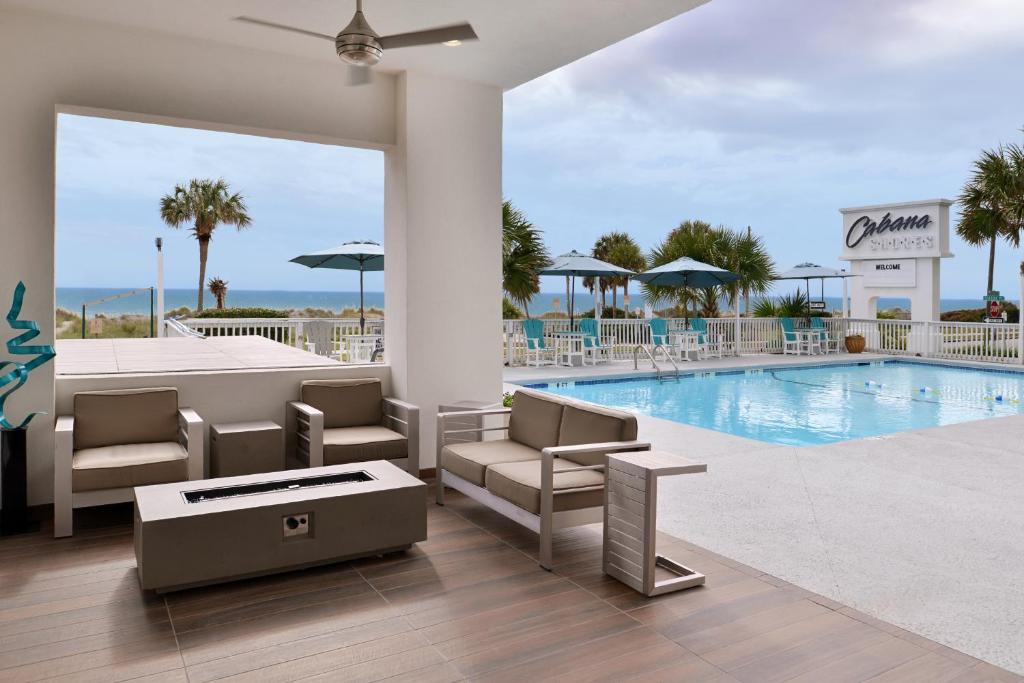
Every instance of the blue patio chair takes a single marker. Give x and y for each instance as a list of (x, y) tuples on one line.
[(592, 345), (790, 339), (707, 344), (828, 342), (659, 332), (535, 346)]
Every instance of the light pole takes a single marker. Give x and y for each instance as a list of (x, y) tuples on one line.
[(160, 286)]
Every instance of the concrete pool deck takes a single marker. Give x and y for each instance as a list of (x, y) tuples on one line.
[(920, 528)]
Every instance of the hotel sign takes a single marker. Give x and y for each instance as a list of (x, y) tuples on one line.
[(890, 273), (912, 230)]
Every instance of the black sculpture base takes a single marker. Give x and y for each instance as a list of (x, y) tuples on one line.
[(14, 517)]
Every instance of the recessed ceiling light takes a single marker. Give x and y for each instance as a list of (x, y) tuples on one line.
[(452, 43)]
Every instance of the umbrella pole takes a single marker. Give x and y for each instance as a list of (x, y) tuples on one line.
[(572, 297), (362, 317)]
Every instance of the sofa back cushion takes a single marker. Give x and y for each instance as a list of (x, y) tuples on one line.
[(594, 424), (345, 402), (125, 416), (535, 419)]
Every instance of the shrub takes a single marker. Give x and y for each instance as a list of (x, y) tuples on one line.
[(242, 313), (510, 311)]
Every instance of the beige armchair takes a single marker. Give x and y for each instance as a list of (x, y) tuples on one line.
[(349, 420), (117, 440)]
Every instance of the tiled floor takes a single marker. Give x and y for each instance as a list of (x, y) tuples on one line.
[(469, 603)]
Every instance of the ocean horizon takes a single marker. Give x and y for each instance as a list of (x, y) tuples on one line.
[(72, 298)]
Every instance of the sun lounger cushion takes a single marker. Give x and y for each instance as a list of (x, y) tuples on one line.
[(594, 424), (519, 483), (359, 444), (471, 460), (140, 464), (345, 402), (125, 416), (535, 419)]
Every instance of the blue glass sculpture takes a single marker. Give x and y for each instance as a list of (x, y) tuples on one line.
[(15, 377)]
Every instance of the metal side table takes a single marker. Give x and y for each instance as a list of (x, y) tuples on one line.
[(630, 522)]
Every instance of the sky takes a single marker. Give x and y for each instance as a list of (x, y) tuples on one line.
[(740, 112)]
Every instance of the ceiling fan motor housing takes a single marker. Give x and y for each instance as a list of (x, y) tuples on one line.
[(357, 43)]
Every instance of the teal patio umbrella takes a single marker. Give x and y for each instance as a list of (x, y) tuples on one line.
[(575, 264), (364, 256), (686, 272)]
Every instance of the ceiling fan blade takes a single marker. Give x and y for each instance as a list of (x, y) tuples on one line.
[(430, 36), (359, 75), (282, 27)]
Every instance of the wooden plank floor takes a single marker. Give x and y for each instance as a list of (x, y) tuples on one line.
[(468, 604)]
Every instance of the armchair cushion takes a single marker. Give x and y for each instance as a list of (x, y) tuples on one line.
[(359, 444), (594, 424), (471, 460), (345, 402), (139, 464), (535, 419), (125, 416), (519, 483)]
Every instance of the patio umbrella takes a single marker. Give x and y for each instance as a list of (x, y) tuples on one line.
[(686, 272), (812, 271), (575, 264), (362, 256)]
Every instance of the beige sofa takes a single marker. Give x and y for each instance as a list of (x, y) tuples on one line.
[(340, 421), (117, 440), (548, 470)]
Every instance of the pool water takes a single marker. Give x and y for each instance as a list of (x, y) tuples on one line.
[(818, 405)]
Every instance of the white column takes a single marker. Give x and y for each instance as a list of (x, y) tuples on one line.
[(1020, 320), (442, 236)]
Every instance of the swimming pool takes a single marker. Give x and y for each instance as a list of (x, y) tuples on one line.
[(813, 405)]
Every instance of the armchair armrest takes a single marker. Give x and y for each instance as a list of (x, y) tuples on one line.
[(306, 431), (191, 427), (404, 417), (63, 452)]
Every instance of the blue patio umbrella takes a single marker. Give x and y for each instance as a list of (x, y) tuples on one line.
[(575, 264), (363, 256), (687, 272), (812, 271)]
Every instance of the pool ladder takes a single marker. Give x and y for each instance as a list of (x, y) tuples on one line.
[(654, 363)]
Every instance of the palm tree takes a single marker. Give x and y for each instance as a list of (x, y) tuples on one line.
[(735, 251), (205, 204), (619, 249), (523, 255), (992, 202), (219, 289)]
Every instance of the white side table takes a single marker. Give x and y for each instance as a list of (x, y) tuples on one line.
[(630, 522)]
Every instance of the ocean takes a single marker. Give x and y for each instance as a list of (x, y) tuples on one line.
[(72, 298)]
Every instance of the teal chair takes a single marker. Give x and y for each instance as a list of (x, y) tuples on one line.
[(707, 345), (659, 332), (790, 339), (827, 342), (592, 345), (536, 349)]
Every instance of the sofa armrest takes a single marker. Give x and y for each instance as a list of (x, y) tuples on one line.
[(404, 418), (606, 447), (191, 428), (443, 431), (307, 424)]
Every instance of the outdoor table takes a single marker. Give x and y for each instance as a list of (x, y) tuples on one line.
[(629, 551), (569, 348), (685, 341), (806, 338)]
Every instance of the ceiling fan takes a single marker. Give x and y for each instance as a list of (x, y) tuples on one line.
[(361, 47)]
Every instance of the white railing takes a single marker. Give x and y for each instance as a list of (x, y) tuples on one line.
[(988, 342), (290, 331)]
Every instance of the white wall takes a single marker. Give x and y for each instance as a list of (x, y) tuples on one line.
[(443, 238)]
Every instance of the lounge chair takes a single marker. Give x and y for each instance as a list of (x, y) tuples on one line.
[(592, 344), (338, 421), (117, 440), (548, 471), (707, 344), (790, 339), (535, 346), (828, 343)]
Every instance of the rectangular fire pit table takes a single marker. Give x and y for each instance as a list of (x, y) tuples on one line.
[(193, 533), (630, 522)]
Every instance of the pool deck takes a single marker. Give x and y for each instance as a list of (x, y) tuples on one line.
[(919, 528)]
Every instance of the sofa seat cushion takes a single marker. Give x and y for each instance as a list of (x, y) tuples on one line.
[(519, 483), (582, 424), (359, 444), (139, 464), (471, 460), (535, 419), (345, 402)]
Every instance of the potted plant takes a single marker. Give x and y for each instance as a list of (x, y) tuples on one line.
[(855, 343)]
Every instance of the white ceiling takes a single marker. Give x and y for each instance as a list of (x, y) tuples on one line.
[(519, 39)]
